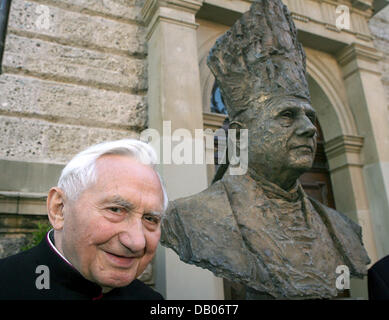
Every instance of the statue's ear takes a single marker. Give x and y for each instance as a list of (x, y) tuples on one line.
[(236, 125), (222, 168)]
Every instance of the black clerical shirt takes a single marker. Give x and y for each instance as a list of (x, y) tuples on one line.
[(19, 274)]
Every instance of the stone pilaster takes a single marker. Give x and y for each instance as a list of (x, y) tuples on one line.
[(366, 97), (174, 95), (346, 167)]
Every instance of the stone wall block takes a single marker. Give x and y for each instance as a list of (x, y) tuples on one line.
[(76, 28), (66, 63), (62, 142), (21, 138), (120, 9), (71, 103), (37, 140), (379, 28)]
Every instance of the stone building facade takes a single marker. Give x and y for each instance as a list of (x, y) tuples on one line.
[(77, 72), (379, 28), (74, 74)]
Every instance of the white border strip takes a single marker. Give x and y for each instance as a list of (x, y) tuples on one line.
[(55, 249)]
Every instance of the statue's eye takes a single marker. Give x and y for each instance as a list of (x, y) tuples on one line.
[(287, 114), (312, 117)]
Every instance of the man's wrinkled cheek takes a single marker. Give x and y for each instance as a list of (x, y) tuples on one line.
[(151, 248)]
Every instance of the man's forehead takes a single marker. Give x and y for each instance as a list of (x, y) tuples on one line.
[(117, 169), (117, 159), (119, 164)]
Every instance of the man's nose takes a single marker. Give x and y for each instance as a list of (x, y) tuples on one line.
[(132, 236), (306, 127)]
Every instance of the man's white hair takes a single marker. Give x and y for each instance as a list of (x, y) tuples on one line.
[(80, 172)]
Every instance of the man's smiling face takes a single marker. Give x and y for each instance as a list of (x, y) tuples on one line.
[(111, 232)]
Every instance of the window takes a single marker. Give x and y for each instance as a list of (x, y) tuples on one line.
[(217, 103)]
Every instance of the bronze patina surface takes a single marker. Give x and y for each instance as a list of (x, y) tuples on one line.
[(260, 229)]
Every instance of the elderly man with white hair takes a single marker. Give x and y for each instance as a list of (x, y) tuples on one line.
[(106, 214)]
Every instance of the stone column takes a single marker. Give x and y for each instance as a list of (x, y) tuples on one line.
[(344, 157), (366, 98), (174, 95)]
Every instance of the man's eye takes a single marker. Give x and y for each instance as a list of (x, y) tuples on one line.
[(151, 219), (115, 209)]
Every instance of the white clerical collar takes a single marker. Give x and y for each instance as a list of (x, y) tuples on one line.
[(54, 248)]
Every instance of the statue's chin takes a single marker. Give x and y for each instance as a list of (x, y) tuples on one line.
[(302, 166)]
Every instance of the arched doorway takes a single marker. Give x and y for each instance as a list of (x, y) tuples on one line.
[(317, 181)]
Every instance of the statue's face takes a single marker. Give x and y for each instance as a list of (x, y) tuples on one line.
[(282, 139)]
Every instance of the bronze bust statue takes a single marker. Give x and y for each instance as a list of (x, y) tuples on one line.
[(261, 229)]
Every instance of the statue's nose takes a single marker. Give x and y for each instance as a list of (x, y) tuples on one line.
[(306, 127)]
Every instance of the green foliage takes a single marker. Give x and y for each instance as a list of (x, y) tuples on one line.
[(37, 235)]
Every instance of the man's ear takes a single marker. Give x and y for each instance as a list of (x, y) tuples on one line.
[(55, 207)]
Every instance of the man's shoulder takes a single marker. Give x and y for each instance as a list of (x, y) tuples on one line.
[(378, 280), (382, 267), (136, 290), (17, 261), (17, 273)]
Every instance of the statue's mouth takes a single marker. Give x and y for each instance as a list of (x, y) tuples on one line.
[(303, 146)]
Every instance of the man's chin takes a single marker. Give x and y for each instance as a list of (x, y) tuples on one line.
[(116, 281)]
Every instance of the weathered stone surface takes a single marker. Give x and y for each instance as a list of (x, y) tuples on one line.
[(15, 231), (383, 15), (22, 138), (63, 142), (259, 228), (124, 9), (379, 28), (51, 60), (84, 79), (11, 246), (36, 140), (71, 103), (382, 45), (77, 28)]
